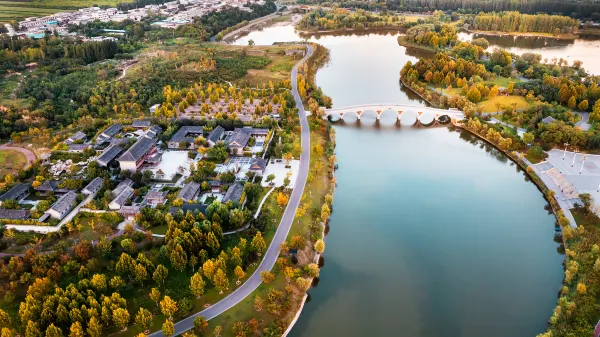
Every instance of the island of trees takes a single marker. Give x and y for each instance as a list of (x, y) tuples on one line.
[(510, 22)]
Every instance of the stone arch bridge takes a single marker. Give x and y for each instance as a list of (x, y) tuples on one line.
[(406, 114)]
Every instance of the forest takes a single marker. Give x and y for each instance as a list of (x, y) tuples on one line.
[(524, 23), (582, 10), (321, 19)]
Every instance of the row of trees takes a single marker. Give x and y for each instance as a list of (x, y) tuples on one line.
[(433, 35), (524, 23), (338, 18)]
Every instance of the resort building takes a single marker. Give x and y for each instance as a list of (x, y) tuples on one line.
[(93, 187), (14, 214), (108, 155), (185, 135), (234, 193), (189, 191), (17, 192), (215, 136), (63, 205), (134, 158)]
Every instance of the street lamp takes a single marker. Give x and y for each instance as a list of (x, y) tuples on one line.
[(565, 153), (582, 162), (574, 156)]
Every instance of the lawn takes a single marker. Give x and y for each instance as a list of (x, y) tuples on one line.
[(503, 82), (591, 219), (495, 104), (160, 230), (101, 227), (209, 200), (279, 69), (11, 161)]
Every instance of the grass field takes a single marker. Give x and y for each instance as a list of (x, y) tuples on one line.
[(584, 220), (11, 161), (490, 105), (503, 82)]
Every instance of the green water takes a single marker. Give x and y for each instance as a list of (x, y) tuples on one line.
[(433, 233)]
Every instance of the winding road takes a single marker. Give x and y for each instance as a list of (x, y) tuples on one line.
[(282, 230)]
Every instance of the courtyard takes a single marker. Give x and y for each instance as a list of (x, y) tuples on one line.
[(171, 163), (278, 168)]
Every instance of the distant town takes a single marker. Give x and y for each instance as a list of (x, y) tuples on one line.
[(177, 13)]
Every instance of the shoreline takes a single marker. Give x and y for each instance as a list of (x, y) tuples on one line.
[(517, 34), (404, 43), (349, 30)]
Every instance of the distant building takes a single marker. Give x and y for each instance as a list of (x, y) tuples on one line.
[(153, 131), (108, 155), (257, 166), (14, 214), (51, 187), (215, 135), (189, 191), (548, 120), (234, 193), (63, 205), (134, 158), (93, 187), (141, 123), (129, 211), (17, 192), (121, 198), (154, 108), (108, 133), (122, 186), (78, 148), (155, 198), (76, 137), (237, 141), (186, 134)]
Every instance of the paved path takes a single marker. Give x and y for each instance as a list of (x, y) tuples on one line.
[(584, 124), (30, 155), (520, 131), (282, 230)]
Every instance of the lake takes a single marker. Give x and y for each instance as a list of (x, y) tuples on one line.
[(433, 233)]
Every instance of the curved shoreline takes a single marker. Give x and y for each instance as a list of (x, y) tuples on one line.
[(517, 34), (349, 30)]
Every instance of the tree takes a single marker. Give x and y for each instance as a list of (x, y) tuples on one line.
[(288, 156), (220, 280), (5, 320), (239, 273), (572, 103), (473, 94), (178, 258), (258, 243), (581, 288), (510, 88), (143, 319), (583, 105), (493, 92), (155, 295), (528, 137), (270, 178), (282, 199), (76, 330), (160, 274), (121, 318), (94, 328), (168, 328), (117, 282), (32, 329), (320, 246), (197, 284), (168, 307), (140, 273), (200, 323), (99, 282), (258, 303), (218, 330), (267, 276), (52, 331)]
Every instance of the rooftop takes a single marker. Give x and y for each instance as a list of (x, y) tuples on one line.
[(15, 192), (124, 194), (14, 214), (216, 134), (109, 154), (182, 134), (189, 191), (113, 130), (138, 150), (122, 186), (65, 202), (237, 139), (141, 123), (234, 193), (94, 185)]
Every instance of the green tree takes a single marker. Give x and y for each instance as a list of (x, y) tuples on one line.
[(200, 323), (528, 137), (258, 243), (121, 318), (160, 274)]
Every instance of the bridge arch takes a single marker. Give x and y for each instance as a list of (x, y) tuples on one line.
[(369, 113), (388, 113), (427, 118), (408, 118)]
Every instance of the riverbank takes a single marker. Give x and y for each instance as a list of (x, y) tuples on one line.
[(403, 41), (349, 30), (518, 34)]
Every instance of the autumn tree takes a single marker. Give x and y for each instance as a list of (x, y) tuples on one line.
[(320, 246), (258, 243), (121, 318), (200, 323), (258, 303), (267, 276), (239, 273), (155, 295), (143, 319), (168, 307), (168, 328), (220, 280), (197, 284), (76, 330), (94, 328), (160, 274)]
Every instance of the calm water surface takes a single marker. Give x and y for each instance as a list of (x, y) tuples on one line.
[(433, 234)]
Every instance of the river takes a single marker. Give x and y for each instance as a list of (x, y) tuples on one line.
[(433, 233)]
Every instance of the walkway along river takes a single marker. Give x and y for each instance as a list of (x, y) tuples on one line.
[(272, 253), (433, 232)]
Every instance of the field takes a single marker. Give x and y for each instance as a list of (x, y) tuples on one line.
[(11, 161), (491, 105), (19, 10)]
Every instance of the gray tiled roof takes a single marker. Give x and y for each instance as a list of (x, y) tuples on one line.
[(237, 139), (153, 131), (122, 186), (189, 191), (109, 154), (252, 131), (216, 134), (78, 147), (120, 198), (14, 214), (137, 150), (65, 202), (548, 120), (141, 123), (234, 193), (94, 185), (182, 134), (15, 192), (75, 137), (258, 164), (113, 130), (51, 186), (155, 195)]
